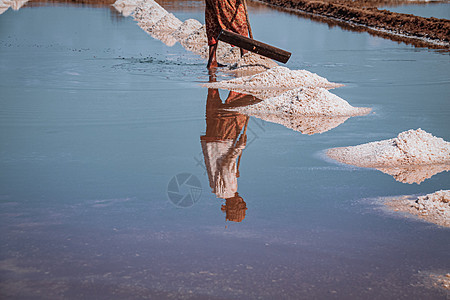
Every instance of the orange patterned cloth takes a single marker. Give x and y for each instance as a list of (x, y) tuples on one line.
[(224, 14)]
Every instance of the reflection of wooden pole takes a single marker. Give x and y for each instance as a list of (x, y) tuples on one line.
[(240, 155), (248, 21)]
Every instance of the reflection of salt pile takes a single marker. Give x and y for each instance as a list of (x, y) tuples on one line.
[(434, 207), (303, 124), (273, 80), (14, 4), (305, 102), (412, 147), (415, 174), (309, 109)]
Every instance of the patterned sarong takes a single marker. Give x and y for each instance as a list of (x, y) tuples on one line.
[(224, 14)]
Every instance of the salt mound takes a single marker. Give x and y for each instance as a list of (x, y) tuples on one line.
[(164, 37), (14, 4), (227, 54), (197, 42), (126, 7), (163, 29), (276, 78), (185, 29), (147, 16), (414, 174), (251, 63), (304, 124), (306, 102), (167, 24), (433, 208), (412, 147)]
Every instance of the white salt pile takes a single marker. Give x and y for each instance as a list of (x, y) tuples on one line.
[(276, 78), (187, 28), (228, 55), (163, 29), (14, 4), (305, 102), (3, 7), (149, 15), (412, 147), (197, 42), (167, 24), (126, 7), (251, 63), (433, 208)]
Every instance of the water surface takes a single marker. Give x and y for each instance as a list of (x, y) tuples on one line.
[(97, 118), (428, 10)]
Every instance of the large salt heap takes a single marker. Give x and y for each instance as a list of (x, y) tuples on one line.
[(186, 28), (433, 207), (273, 82), (251, 63), (411, 157), (306, 102), (14, 4), (126, 7), (412, 147)]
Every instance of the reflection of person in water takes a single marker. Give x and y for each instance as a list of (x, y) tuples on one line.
[(222, 147)]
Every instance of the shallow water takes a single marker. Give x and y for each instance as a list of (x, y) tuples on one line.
[(436, 10), (97, 118)]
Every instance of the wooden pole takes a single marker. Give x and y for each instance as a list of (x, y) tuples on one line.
[(254, 46)]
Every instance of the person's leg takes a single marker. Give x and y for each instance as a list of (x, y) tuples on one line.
[(212, 61)]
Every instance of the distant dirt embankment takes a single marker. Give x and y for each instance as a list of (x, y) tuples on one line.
[(431, 32)]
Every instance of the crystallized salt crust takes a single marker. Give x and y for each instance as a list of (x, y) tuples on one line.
[(251, 63), (276, 78), (186, 28), (433, 207), (412, 147), (306, 102), (14, 4)]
